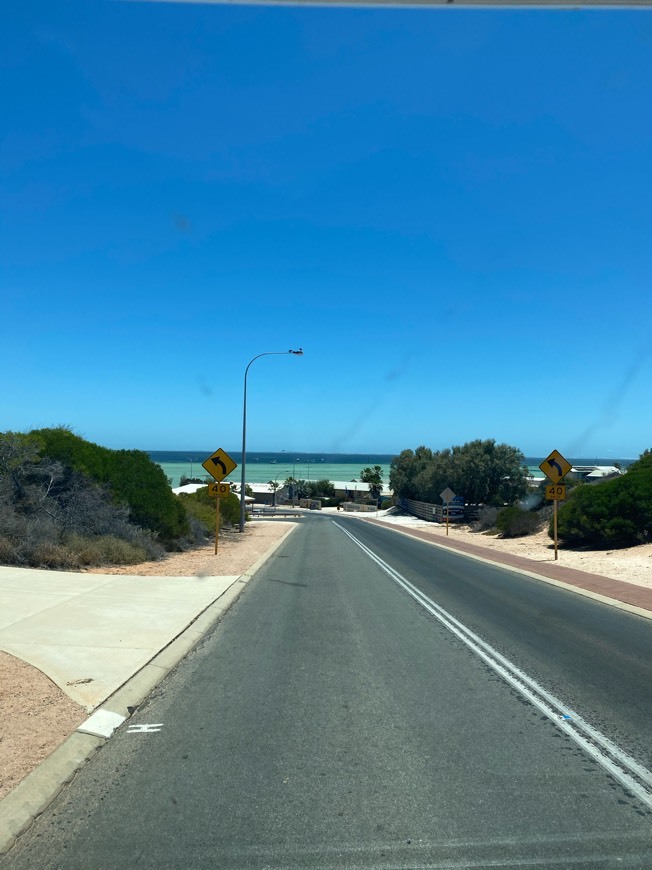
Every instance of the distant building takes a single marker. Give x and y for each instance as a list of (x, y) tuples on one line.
[(594, 473)]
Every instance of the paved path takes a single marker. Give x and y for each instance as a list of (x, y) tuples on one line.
[(91, 632)]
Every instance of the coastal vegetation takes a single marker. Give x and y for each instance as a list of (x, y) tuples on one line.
[(201, 506), (483, 472), (374, 477), (616, 513), (68, 503)]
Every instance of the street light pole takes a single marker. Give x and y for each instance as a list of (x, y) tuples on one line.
[(244, 427)]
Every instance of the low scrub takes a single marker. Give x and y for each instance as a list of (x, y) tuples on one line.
[(201, 507), (514, 522), (78, 552), (486, 519)]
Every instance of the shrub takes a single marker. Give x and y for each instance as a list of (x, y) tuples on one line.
[(53, 556), (617, 513), (7, 553), (106, 550), (201, 506), (54, 516), (130, 475), (514, 522), (486, 519)]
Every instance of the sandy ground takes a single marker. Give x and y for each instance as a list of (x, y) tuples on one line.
[(36, 716)]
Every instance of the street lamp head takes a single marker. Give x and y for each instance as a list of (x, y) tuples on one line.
[(297, 352)]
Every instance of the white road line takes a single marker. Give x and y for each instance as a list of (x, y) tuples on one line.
[(604, 751), (145, 729)]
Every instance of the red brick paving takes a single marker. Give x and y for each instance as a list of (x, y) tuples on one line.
[(628, 593)]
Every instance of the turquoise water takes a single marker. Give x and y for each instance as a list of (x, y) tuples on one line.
[(263, 467)]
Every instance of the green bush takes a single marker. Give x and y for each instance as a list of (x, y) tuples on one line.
[(617, 513), (201, 506), (514, 522), (131, 476)]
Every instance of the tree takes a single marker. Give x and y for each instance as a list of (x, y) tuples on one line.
[(320, 489), (482, 471), (374, 477), (274, 485), (405, 468)]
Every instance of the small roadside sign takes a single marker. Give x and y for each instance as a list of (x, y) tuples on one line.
[(447, 495), (555, 492), (219, 490), (555, 467), (219, 465)]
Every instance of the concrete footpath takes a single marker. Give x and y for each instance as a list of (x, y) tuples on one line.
[(91, 632)]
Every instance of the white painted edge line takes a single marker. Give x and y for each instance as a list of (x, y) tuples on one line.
[(496, 563), (592, 741), (102, 723)]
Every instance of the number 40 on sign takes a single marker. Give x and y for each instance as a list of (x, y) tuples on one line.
[(555, 492)]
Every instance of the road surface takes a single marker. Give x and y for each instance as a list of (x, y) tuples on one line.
[(372, 701)]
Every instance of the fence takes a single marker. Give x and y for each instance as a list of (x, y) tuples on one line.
[(436, 513)]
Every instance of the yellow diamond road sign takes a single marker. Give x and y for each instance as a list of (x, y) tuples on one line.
[(555, 467), (219, 465)]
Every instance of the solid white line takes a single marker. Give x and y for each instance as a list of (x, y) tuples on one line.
[(566, 719)]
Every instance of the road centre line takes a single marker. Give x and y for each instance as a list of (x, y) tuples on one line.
[(611, 757)]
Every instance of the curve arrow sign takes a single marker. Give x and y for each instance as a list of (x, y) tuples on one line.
[(219, 465), (218, 461), (554, 464)]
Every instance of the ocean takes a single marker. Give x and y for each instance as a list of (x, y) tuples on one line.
[(265, 466)]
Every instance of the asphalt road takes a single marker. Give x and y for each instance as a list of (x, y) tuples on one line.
[(331, 721)]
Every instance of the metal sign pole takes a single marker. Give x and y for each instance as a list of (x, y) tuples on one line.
[(555, 527), (447, 513), (217, 521)]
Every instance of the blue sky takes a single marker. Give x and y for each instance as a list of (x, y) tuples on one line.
[(448, 209)]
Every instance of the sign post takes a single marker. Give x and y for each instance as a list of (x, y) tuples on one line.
[(218, 490), (219, 465), (555, 467), (447, 497)]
